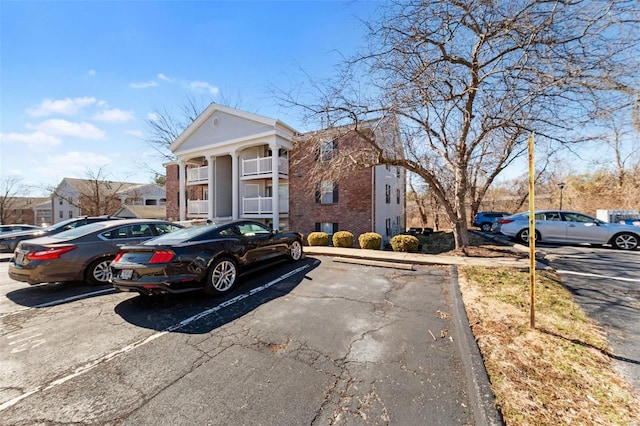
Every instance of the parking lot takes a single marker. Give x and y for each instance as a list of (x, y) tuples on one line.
[(310, 342)]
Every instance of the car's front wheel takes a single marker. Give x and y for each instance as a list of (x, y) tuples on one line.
[(486, 227), (295, 251), (523, 236), (99, 272), (625, 241), (222, 276)]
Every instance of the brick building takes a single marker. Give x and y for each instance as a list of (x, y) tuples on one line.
[(233, 164), (368, 199), (28, 210)]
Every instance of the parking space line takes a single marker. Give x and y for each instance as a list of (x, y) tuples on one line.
[(60, 301), (586, 274), (93, 364)]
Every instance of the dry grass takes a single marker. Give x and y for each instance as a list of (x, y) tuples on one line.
[(559, 373)]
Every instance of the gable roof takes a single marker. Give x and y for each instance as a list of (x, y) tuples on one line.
[(213, 108), (105, 186), (142, 212)]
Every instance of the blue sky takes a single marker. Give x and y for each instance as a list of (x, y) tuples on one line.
[(78, 79)]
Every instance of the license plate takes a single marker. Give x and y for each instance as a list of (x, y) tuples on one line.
[(126, 274), (19, 258)]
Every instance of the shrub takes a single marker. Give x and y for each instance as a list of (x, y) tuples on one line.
[(318, 239), (370, 240), (343, 239), (405, 243)]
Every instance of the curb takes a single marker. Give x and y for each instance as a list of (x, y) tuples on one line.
[(481, 397)]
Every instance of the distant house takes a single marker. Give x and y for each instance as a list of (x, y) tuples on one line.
[(232, 164), (29, 210), (75, 197)]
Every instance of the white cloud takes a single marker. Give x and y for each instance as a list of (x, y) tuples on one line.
[(163, 77), (152, 116), (137, 133), (61, 127), (114, 115), (74, 163), (35, 141), (143, 85), (92, 73), (66, 106), (203, 86)]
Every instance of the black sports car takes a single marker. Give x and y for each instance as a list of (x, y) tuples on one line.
[(209, 258)]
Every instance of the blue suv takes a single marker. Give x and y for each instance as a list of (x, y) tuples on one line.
[(484, 220)]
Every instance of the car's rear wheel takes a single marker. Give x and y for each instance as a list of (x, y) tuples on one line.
[(486, 227), (625, 241), (222, 276), (295, 251), (99, 272), (523, 236)]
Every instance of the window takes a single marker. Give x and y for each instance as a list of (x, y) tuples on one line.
[(327, 150), (387, 194), (252, 229), (70, 214), (388, 227), (327, 193), (60, 201), (164, 228), (61, 214), (328, 227), (398, 196)]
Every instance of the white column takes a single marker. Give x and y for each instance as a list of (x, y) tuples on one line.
[(275, 192), (235, 186), (211, 187), (182, 178)]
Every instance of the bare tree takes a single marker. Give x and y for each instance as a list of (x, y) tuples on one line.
[(466, 82), (10, 186), (96, 195)]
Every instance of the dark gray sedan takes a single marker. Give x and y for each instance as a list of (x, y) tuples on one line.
[(83, 253)]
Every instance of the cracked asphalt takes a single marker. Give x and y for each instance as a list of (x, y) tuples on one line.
[(314, 342)]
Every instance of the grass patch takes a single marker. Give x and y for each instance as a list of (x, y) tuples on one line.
[(559, 373)]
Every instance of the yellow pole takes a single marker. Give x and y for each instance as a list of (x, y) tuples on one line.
[(532, 234)]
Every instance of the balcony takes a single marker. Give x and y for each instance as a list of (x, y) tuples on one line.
[(256, 205), (249, 168), (263, 205), (262, 166), (197, 175), (197, 207)]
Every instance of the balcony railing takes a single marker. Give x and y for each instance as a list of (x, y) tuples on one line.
[(261, 166), (255, 205), (198, 207), (251, 167), (197, 174)]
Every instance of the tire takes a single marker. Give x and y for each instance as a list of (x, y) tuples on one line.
[(523, 236), (99, 272), (222, 276), (625, 241), (486, 227), (295, 251)]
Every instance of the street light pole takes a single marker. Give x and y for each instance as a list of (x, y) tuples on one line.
[(561, 186)]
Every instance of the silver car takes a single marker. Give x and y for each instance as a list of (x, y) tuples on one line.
[(560, 226)]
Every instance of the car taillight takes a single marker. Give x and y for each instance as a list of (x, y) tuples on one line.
[(118, 257), (52, 253), (161, 256), (503, 221)]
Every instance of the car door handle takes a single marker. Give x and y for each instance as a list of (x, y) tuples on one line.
[(572, 226)]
